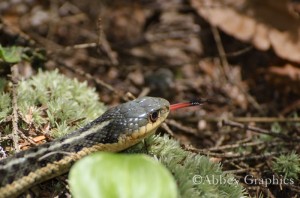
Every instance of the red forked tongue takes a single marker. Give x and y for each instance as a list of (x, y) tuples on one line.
[(187, 104)]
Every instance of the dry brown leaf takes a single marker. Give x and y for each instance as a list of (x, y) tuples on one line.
[(286, 77), (39, 138), (28, 118), (266, 24)]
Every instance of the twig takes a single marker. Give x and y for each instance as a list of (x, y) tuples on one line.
[(100, 31), (241, 166), (104, 44), (219, 155), (14, 80), (167, 128), (239, 52), (226, 69), (181, 127), (239, 119), (26, 138), (145, 91), (231, 146), (258, 130), (80, 46), (129, 96), (7, 137), (254, 157), (222, 54), (220, 140), (264, 119), (60, 49)]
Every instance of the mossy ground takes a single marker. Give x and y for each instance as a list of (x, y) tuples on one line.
[(51, 99)]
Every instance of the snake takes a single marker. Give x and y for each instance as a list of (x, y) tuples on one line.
[(115, 130)]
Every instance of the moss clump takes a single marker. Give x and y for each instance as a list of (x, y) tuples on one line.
[(50, 97), (5, 106), (196, 176), (288, 165)]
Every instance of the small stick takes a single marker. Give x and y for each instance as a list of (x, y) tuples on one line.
[(14, 80), (232, 146), (219, 155), (182, 127), (239, 52), (103, 44), (258, 130), (221, 51), (100, 31), (226, 67), (26, 138), (7, 137), (265, 119), (254, 157), (167, 128)]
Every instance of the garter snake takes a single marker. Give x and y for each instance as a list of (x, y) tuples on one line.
[(117, 129)]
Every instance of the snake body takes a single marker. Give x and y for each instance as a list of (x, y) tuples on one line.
[(117, 129)]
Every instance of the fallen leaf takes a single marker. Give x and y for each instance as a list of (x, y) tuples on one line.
[(38, 138), (266, 24), (286, 78)]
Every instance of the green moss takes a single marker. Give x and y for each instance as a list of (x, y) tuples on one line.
[(196, 176), (288, 165), (50, 97), (5, 106), (3, 84)]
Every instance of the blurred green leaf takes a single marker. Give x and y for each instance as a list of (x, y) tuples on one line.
[(276, 127), (11, 54), (119, 175)]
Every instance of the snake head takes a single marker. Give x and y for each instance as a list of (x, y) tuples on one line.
[(138, 118)]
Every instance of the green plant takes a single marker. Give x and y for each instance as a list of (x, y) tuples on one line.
[(195, 174), (288, 165), (14, 54), (11, 54), (50, 97), (5, 106)]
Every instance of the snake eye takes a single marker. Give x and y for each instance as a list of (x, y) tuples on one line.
[(154, 116)]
